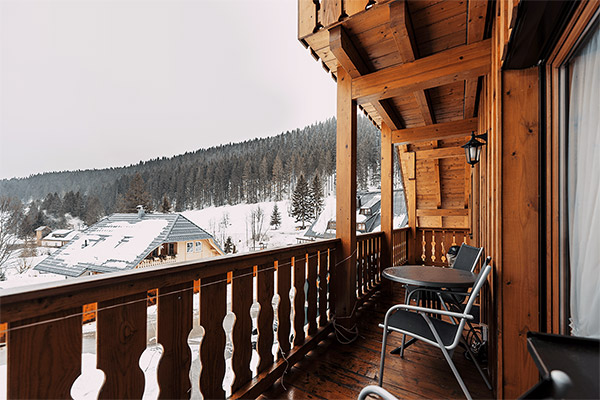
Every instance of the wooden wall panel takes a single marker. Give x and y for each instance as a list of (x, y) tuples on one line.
[(520, 238)]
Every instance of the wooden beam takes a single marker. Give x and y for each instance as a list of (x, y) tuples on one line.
[(445, 130), (442, 212), (346, 144), (402, 30), (346, 53), (477, 11), (445, 152), (388, 114), (387, 194), (424, 102), (456, 64)]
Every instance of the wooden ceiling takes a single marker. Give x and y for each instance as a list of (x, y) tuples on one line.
[(415, 65)]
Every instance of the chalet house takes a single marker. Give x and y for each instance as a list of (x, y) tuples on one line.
[(58, 237), (127, 241), (40, 233), (519, 77), (368, 216)]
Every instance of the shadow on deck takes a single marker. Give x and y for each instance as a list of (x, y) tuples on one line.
[(336, 371)]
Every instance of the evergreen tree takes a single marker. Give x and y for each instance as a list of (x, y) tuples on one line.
[(229, 246), (275, 217), (93, 211), (278, 178), (301, 204), (136, 195), (165, 206), (316, 195)]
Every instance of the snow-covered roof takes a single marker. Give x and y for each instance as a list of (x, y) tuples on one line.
[(61, 235), (41, 228), (119, 242)]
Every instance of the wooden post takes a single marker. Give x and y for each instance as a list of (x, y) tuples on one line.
[(345, 272), (520, 223), (387, 194)]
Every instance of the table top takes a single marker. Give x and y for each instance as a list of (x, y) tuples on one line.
[(438, 277)]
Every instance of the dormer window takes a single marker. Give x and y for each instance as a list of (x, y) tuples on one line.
[(361, 227), (365, 211)]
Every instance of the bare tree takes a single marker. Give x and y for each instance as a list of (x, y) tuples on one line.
[(257, 219), (9, 214), (29, 251)]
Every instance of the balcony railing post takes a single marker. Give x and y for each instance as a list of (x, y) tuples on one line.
[(387, 194), (346, 143)]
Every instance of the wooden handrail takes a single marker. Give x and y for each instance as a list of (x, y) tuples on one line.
[(31, 301)]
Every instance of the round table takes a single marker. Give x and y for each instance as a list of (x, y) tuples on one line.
[(432, 277)]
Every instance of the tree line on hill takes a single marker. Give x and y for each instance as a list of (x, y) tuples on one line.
[(257, 170)]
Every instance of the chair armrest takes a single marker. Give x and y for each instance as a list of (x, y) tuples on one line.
[(434, 311)]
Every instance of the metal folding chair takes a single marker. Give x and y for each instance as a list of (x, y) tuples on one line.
[(417, 322)]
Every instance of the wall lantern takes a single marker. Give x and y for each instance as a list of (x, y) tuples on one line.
[(473, 148)]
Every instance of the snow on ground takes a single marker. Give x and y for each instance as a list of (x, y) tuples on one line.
[(235, 221), (15, 278)]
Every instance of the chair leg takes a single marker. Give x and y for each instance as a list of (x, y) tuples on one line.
[(448, 358), (402, 346), (483, 375), (382, 362), (455, 372)]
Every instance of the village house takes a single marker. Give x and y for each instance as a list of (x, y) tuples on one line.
[(58, 237), (127, 241), (40, 232)]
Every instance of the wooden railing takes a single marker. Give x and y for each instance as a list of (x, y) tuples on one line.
[(44, 335), (400, 246), (45, 323), (368, 263), (431, 244)]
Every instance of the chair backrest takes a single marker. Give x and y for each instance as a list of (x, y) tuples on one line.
[(467, 257), (479, 282)]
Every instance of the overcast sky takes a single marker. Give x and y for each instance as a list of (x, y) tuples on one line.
[(94, 84)]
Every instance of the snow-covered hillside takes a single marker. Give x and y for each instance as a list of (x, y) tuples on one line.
[(236, 222)]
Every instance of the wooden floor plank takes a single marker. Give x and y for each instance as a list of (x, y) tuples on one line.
[(335, 371)]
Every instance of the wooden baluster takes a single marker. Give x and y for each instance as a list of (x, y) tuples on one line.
[(433, 257), (121, 341), (378, 258), (242, 330), (443, 247), (453, 238), (44, 359), (284, 277), (423, 256), (265, 291), (213, 307), (465, 238), (332, 278), (299, 299), (175, 313), (369, 252), (359, 275), (313, 261), (323, 270)]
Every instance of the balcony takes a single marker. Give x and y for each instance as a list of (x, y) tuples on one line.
[(44, 337)]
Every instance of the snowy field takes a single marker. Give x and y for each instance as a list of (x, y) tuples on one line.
[(236, 221)]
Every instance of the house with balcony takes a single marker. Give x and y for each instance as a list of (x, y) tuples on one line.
[(518, 77), (124, 241)]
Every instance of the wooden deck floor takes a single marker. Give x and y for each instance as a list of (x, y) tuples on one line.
[(336, 371)]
